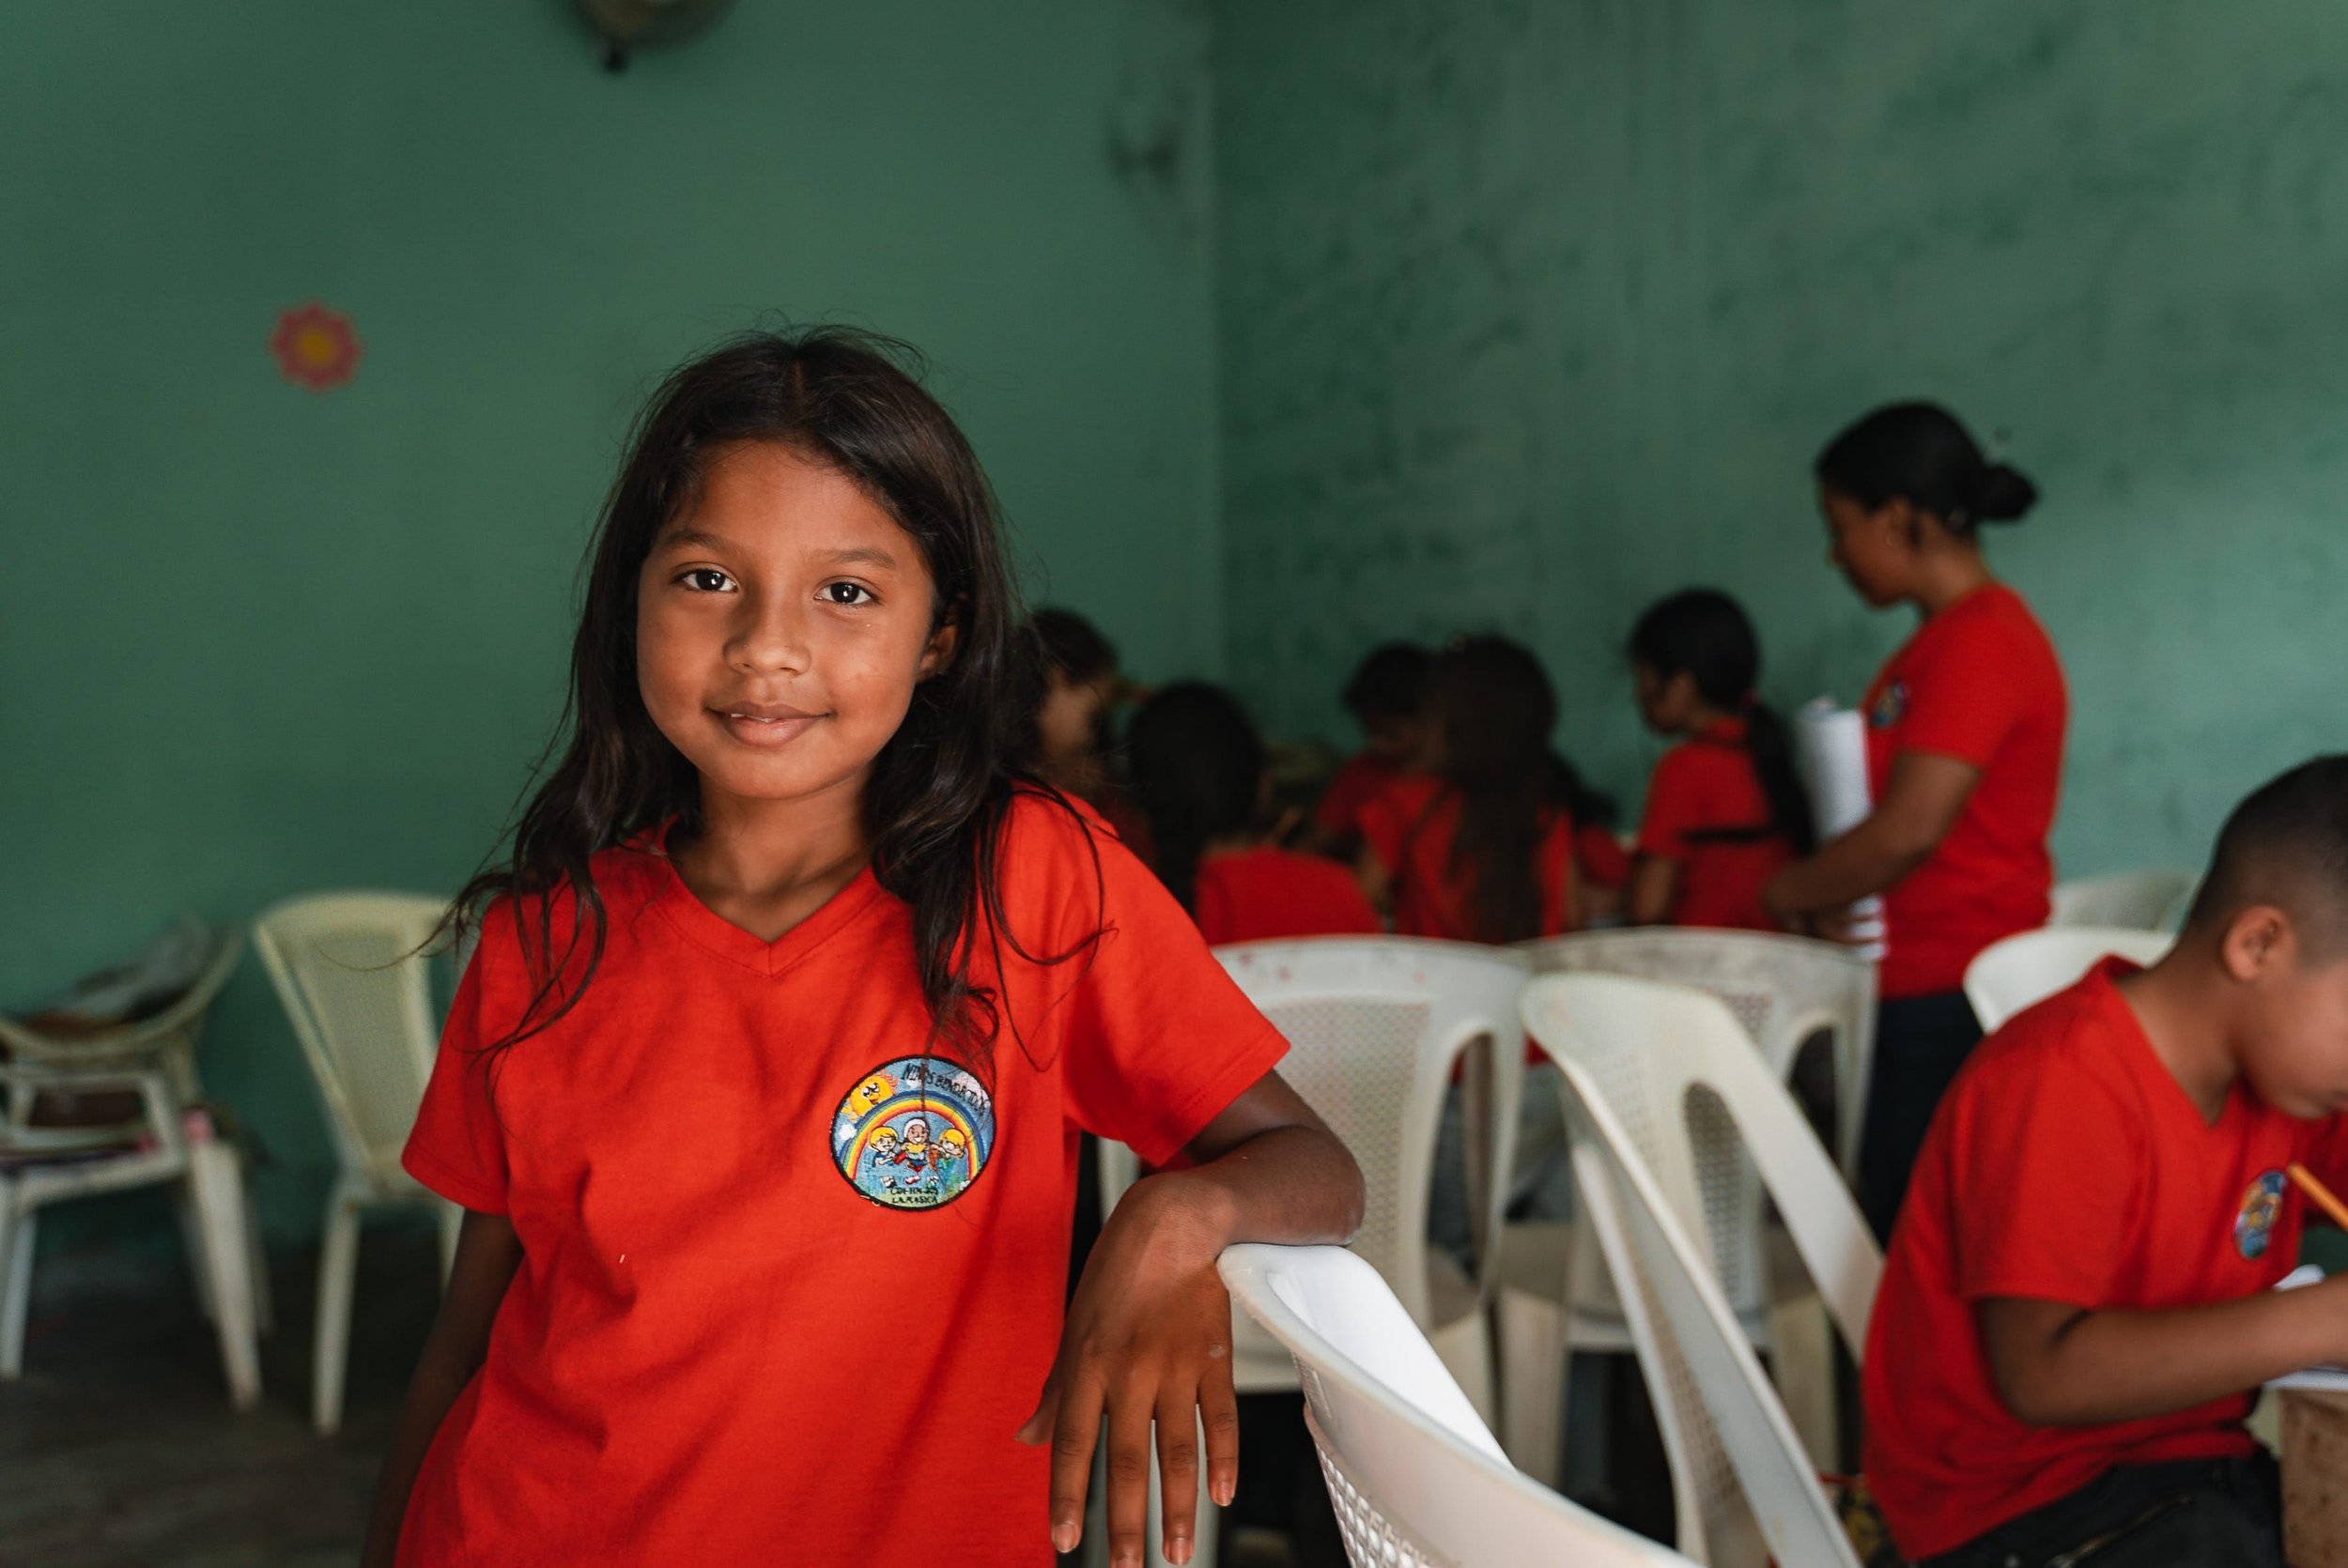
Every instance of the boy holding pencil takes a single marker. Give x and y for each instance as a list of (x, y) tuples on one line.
[(2077, 1309)]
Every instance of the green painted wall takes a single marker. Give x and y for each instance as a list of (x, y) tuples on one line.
[(256, 640), (1531, 313)]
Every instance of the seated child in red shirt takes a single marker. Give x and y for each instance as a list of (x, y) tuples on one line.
[(2078, 1309), (1481, 848), (1387, 697), (1196, 770), (1725, 810)]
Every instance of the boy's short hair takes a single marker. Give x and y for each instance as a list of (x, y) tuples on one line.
[(1390, 684), (2286, 845)]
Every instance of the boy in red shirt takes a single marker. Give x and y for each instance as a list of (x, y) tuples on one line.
[(2078, 1308)]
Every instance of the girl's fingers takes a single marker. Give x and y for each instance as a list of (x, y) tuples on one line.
[(1037, 1428), (1130, 1410), (1178, 1470), (1218, 1412), (1077, 1426)]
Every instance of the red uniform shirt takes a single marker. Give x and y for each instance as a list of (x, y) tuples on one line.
[(1703, 784), (1600, 858), (1979, 682), (2066, 1165), (1340, 809), (1265, 894), (788, 1285), (1409, 827)]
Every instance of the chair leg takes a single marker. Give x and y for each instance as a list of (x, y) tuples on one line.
[(16, 1227), (1802, 1352), (338, 1266), (192, 1248), (264, 1302), (216, 1178)]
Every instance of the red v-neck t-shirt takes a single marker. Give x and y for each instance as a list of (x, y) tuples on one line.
[(2065, 1164), (762, 1314)]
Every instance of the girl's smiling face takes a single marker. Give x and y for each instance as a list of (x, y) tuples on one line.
[(783, 621)]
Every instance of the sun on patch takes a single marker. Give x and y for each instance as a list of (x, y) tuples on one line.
[(914, 1134)]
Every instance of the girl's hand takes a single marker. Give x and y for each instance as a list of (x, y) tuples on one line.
[(1148, 1340)]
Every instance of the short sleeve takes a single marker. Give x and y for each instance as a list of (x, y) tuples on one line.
[(1966, 697), (1160, 1040), (1673, 805), (2047, 1179), (457, 1146)]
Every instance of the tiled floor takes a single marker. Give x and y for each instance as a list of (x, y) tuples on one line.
[(118, 1450)]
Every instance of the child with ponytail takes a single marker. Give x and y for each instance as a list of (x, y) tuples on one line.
[(1725, 810)]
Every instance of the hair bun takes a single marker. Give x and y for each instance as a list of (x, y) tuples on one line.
[(2002, 495)]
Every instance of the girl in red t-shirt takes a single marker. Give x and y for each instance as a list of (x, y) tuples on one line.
[(1387, 697), (1197, 771), (1965, 727), (1725, 809), (1481, 847), (793, 984)]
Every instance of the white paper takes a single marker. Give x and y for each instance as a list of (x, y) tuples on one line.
[(1831, 748)]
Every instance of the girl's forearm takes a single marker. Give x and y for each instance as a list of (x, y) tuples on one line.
[(1295, 1186)]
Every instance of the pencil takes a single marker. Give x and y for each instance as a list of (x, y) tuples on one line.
[(2320, 1194)]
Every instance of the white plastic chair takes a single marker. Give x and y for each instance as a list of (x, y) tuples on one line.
[(1374, 1026), (1414, 1473), (349, 970), (2025, 969), (171, 1139), (2153, 899), (1782, 991), (1639, 1060)]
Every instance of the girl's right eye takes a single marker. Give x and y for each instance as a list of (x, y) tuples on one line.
[(706, 579)]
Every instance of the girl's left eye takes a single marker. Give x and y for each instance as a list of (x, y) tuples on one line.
[(845, 593)]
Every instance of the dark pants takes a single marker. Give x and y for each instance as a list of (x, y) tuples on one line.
[(2193, 1514), (1920, 1043)]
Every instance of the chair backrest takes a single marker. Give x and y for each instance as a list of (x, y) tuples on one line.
[(1782, 989), (170, 1037), (1633, 1055), (358, 989), (1374, 1026), (1417, 1479), (2024, 969), (2152, 900)]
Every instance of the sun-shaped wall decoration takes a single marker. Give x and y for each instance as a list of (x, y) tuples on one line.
[(315, 346)]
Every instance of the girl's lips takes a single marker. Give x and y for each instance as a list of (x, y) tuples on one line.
[(752, 726)]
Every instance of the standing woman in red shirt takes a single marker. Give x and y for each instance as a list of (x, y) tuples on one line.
[(1965, 727), (1725, 809), (1196, 770), (796, 987)]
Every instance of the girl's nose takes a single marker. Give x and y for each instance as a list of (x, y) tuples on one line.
[(771, 640)]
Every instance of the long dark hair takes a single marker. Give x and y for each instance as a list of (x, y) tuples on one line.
[(1196, 766), (1920, 452), (1494, 708), (939, 789), (1705, 635)]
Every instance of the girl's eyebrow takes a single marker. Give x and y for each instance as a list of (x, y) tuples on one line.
[(695, 539)]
